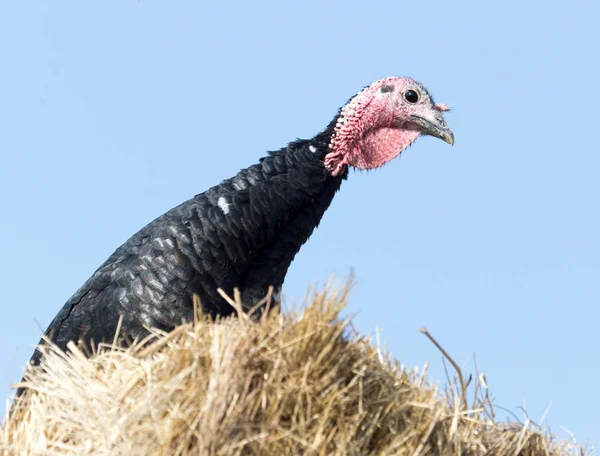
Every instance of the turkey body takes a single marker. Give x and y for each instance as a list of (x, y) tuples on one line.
[(242, 233)]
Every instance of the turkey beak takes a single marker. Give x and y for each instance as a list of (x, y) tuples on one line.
[(434, 126)]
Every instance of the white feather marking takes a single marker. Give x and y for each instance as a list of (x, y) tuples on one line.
[(312, 148), (223, 205)]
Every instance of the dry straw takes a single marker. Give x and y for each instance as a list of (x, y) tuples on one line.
[(296, 383)]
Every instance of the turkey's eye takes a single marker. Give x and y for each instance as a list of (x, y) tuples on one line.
[(411, 96)]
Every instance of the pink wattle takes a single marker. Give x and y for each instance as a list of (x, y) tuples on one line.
[(381, 145), (368, 132)]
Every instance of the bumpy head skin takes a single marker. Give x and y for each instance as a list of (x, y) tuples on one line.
[(381, 121)]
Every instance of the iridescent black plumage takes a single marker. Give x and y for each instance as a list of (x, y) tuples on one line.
[(241, 233)]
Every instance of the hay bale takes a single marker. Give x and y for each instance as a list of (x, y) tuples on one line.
[(293, 383)]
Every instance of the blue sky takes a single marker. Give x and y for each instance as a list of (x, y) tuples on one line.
[(113, 112)]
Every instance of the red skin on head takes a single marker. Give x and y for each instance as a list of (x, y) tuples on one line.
[(374, 128)]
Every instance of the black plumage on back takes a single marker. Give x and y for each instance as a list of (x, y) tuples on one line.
[(241, 233)]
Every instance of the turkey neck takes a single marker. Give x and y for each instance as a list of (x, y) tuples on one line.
[(261, 217)]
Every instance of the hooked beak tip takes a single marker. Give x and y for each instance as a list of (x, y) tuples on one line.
[(435, 127)]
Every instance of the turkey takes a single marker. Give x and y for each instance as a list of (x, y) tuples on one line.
[(245, 231)]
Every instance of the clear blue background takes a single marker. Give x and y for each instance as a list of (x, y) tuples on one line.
[(113, 112)]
